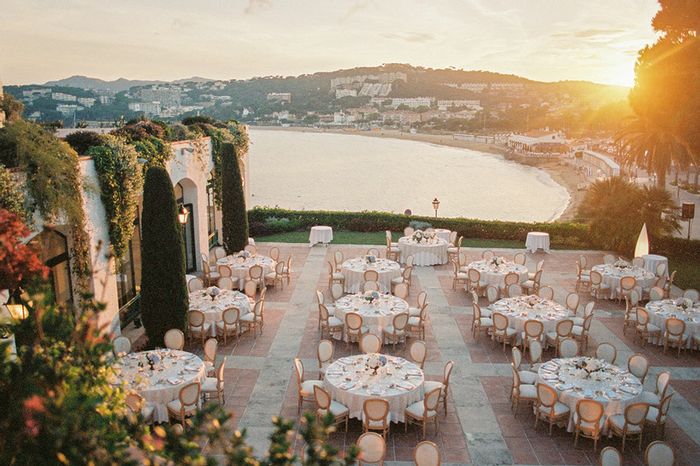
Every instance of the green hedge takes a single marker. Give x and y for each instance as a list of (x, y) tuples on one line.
[(676, 247), (265, 221)]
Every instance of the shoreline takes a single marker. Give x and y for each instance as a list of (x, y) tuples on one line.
[(562, 174)]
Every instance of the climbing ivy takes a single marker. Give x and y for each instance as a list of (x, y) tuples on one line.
[(119, 174)]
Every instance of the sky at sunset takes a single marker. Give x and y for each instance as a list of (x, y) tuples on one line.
[(225, 39)]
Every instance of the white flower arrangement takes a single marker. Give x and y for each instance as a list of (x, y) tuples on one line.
[(374, 362), (423, 237), (621, 264), (371, 296)]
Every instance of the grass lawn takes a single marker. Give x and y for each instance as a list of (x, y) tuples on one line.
[(377, 237), (688, 272)]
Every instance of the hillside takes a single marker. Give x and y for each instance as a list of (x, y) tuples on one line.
[(118, 85)]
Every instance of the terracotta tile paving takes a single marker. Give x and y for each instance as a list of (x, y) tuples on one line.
[(461, 438)]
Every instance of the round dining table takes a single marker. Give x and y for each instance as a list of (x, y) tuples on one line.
[(653, 261), (584, 377), (685, 310), (613, 273), (241, 263), (494, 271), (354, 272), (376, 315), (426, 252), (172, 370), (353, 379), (520, 309), (213, 308)]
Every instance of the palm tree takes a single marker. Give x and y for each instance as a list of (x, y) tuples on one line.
[(649, 144)]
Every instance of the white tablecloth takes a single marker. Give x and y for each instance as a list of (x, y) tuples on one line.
[(239, 265), (613, 274), (652, 261), (351, 382), (615, 388), (443, 233), (523, 308), (492, 274), (375, 316), (213, 309), (320, 234), (162, 385), (434, 253), (537, 240), (659, 311), (354, 272)]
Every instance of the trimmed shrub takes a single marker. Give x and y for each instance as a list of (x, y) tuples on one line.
[(164, 299), (562, 235), (81, 141), (234, 215)]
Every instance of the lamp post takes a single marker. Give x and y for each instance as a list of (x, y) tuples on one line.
[(436, 205), (17, 311)]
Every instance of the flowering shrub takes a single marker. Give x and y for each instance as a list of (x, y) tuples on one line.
[(18, 261)]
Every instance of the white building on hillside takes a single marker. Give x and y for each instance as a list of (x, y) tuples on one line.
[(539, 141)]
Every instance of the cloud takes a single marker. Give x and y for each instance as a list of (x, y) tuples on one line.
[(589, 33), (414, 37)]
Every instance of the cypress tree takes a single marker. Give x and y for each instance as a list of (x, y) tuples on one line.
[(164, 299), (234, 213)]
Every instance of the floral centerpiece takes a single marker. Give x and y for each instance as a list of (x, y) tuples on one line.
[(374, 362), (590, 368), (684, 304), (213, 292), (371, 296), (621, 264), (243, 254), (153, 359), (529, 301), (423, 237), (496, 262)]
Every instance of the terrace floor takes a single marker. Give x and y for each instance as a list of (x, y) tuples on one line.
[(479, 427)]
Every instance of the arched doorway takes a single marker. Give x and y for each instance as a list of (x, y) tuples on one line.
[(184, 197), (52, 246)]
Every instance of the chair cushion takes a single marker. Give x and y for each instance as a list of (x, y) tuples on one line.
[(528, 391), (551, 336), (430, 385), (337, 409), (528, 284), (307, 387), (486, 322), (250, 317), (414, 321), (559, 409), (220, 325), (649, 397), (209, 384), (651, 328), (335, 322), (378, 423), (452, 250), (618, 420), (578, 331), (590, 425), (462, 276), (416, 410), (175, 405), (203, 329), (389, 329), (413, 311), (271, 275), (578, 321), (653, 413), (509, 331), (338, 276), (674, 338), (396, 280), (527, 377)]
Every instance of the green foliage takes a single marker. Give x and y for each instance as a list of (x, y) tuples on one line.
[(11, 197), (164, 300), (573, 235), (53, 181), (149, 140), (81, 141), (12, 107), (234, 215), (121, 181), (221, 133), (615, 211)]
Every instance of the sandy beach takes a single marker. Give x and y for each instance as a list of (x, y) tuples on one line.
[(561, 173)]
